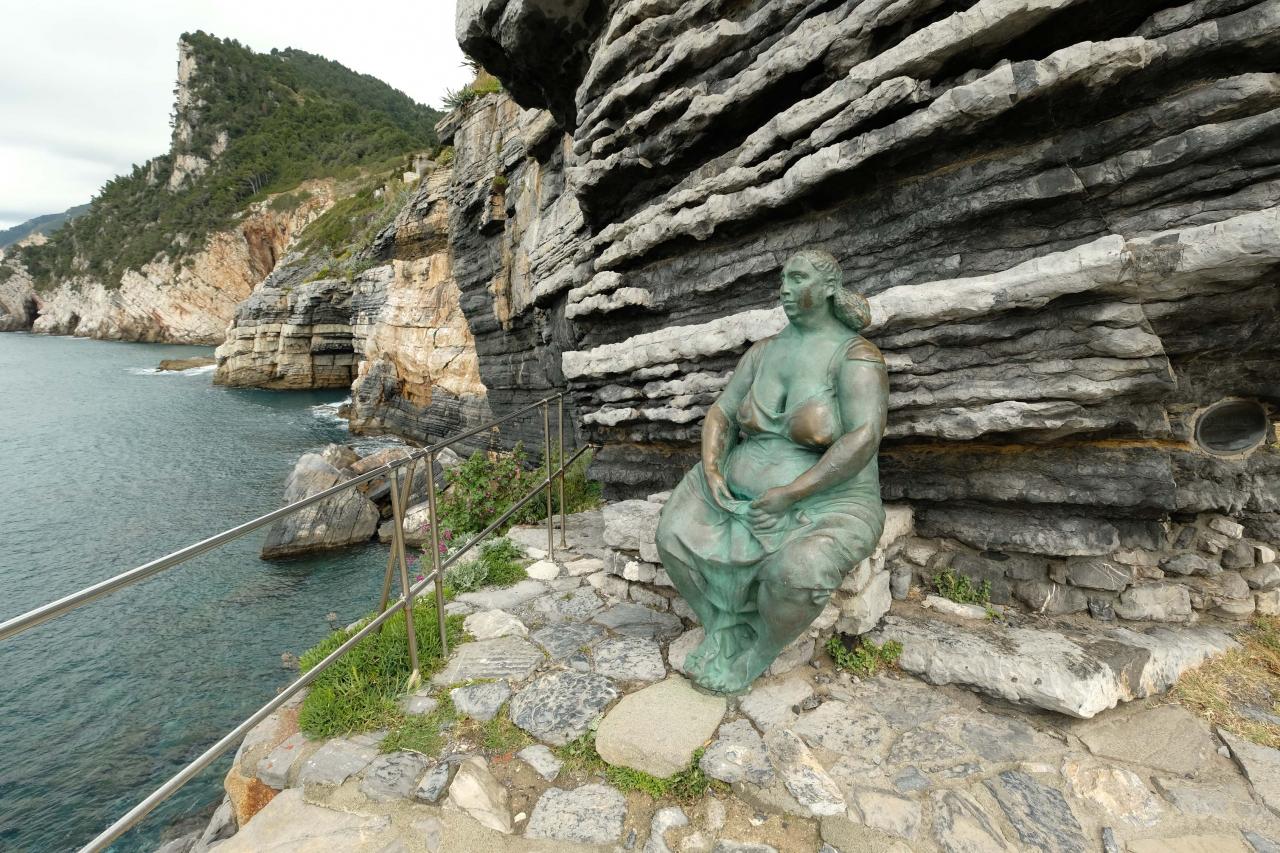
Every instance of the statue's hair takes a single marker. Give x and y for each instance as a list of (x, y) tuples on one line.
[(850, 307)]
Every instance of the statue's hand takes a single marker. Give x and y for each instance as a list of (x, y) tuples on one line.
[(770, 509), (719, 489)]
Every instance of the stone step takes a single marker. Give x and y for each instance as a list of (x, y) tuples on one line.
[(1076, 670)]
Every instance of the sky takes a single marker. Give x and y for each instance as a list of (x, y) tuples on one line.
[(86, 88)]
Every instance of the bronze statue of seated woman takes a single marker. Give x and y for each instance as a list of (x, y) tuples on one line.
[(786, 499)]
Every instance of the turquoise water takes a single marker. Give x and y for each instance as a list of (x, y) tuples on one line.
[(105, 464)]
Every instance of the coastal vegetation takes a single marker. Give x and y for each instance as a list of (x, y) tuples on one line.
[(262, 123)]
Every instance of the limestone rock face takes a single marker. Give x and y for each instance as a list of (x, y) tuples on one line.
[(189, 303), (1065, 221), (18, 302)]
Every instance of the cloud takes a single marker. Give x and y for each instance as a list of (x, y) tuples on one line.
[(86, 87)]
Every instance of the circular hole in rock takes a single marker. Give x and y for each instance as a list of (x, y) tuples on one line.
[(1231, 426)]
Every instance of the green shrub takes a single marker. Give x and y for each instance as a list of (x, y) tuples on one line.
[(487, 484), (500, 183), (497, 564), (288, 201), (958, 587), (445, 157), (865, 658), (360, 690)]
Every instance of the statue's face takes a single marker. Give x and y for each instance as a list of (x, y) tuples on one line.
[(804, 289)]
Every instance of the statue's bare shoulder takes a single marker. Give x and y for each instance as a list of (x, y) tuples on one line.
[(861, 349)]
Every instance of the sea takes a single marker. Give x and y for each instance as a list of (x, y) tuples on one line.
[(105, 464)]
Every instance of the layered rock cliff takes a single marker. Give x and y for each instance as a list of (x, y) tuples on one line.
[(189, 301), (1064, 213)]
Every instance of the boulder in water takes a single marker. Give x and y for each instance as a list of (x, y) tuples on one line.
[(344, 519)]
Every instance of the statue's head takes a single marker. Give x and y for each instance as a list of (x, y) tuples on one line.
[(813, 282)]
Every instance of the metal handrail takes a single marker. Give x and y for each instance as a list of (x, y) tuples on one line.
[(399, 491)]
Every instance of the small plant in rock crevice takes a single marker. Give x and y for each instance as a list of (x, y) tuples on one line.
[(960, 588), (865, 658)]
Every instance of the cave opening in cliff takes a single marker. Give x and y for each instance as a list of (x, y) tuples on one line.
[(1229, 427)]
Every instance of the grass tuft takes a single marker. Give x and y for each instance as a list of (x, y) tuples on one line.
[(687, 786), (1224, 689), (423, 734), (580, 754), (959, 588), (865, 658)]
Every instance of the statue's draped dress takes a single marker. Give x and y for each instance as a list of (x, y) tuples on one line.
[(713, 555)]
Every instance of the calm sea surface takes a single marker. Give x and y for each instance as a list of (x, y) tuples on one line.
[(105, 464)]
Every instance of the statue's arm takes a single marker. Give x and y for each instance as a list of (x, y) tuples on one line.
[(720, 426)]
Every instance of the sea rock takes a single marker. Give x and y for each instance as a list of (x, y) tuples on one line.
[(344, 519), (656, 729), (475, 791), (590, 814), (558, 707)]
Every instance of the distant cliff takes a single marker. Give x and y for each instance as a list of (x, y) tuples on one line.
[(262, 144)]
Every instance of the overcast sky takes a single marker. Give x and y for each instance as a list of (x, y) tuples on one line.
[(86, 87)]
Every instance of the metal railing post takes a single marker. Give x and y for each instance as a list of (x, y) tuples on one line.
[(391, 555), (397, 514), (435, 551), (564, 513), (546, 457)]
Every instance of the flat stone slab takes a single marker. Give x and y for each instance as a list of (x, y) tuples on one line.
[(772, 704), (273, 771), (629, 659), (574, 606), (804, 777), (507, 598), (1166, 737), (480, 701), (290, 823), (844, 729), (636, 620), (1078, 674), (336, 761), (591, 814), (393, 776), (657, 729), (505, 657), (1039, 814), (962, 824), (1260, 765), (738, 755), (563, 641), (542, 760), (558, 707), (491, 624)]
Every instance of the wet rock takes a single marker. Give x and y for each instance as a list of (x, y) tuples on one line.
[(591, 814), (634, 620), (738, 755), (629, 659), (491, 624), (558, 707), (393, 776), (657, 729), (542, 760), (505, 657), (480, 701), (804, 777), (475, 791)]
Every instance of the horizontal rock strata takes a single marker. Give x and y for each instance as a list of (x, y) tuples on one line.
[(1064, 214)]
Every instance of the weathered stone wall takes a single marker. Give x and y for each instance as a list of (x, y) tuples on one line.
[(1064, 213)]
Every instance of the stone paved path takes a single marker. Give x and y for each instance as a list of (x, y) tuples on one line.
[(813, 759)]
